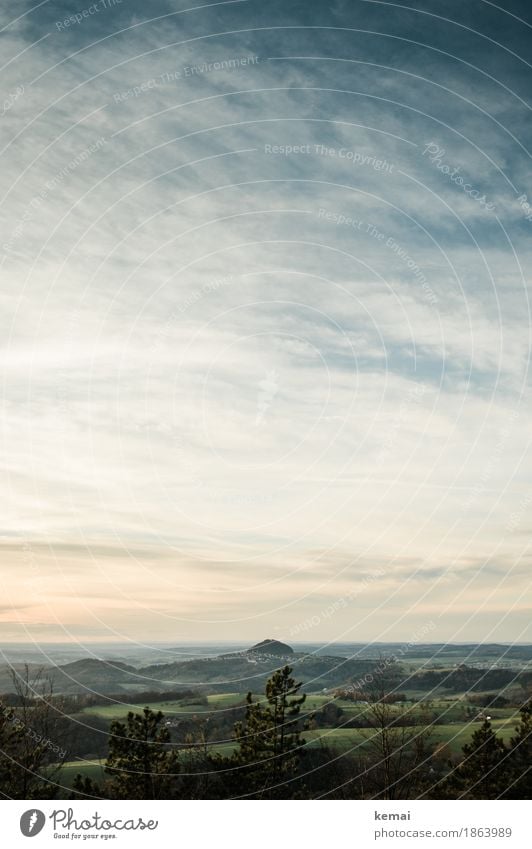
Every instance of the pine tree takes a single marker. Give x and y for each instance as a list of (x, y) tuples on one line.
[(140, 761), (520, 758), (483, 772), (270, 737)]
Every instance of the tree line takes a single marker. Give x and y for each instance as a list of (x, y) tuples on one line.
[(269, 755)]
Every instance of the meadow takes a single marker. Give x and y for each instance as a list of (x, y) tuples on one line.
[(454, 717)]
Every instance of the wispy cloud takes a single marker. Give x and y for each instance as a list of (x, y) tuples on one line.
[(249, 324)]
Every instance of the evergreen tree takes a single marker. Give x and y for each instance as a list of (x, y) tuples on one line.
[(140, 761), (483, 772), (520, 759), (270, 738)]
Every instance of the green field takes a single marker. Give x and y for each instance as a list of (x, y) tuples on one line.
[(89, 769), (452, 734), (455, 725), (351, 740), (183, 707), (456, 721)]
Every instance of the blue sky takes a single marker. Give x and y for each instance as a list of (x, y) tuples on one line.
[(266, 317)]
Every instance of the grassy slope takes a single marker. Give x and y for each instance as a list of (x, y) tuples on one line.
[(455, 730)]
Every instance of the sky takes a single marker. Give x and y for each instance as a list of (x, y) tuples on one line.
[(265, 321)]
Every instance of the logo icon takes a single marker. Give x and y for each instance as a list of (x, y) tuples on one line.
[(32, 822)]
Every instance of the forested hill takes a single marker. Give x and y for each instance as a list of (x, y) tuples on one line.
[(249, 669)]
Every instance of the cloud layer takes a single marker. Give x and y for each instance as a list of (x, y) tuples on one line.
[(266, 321)]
